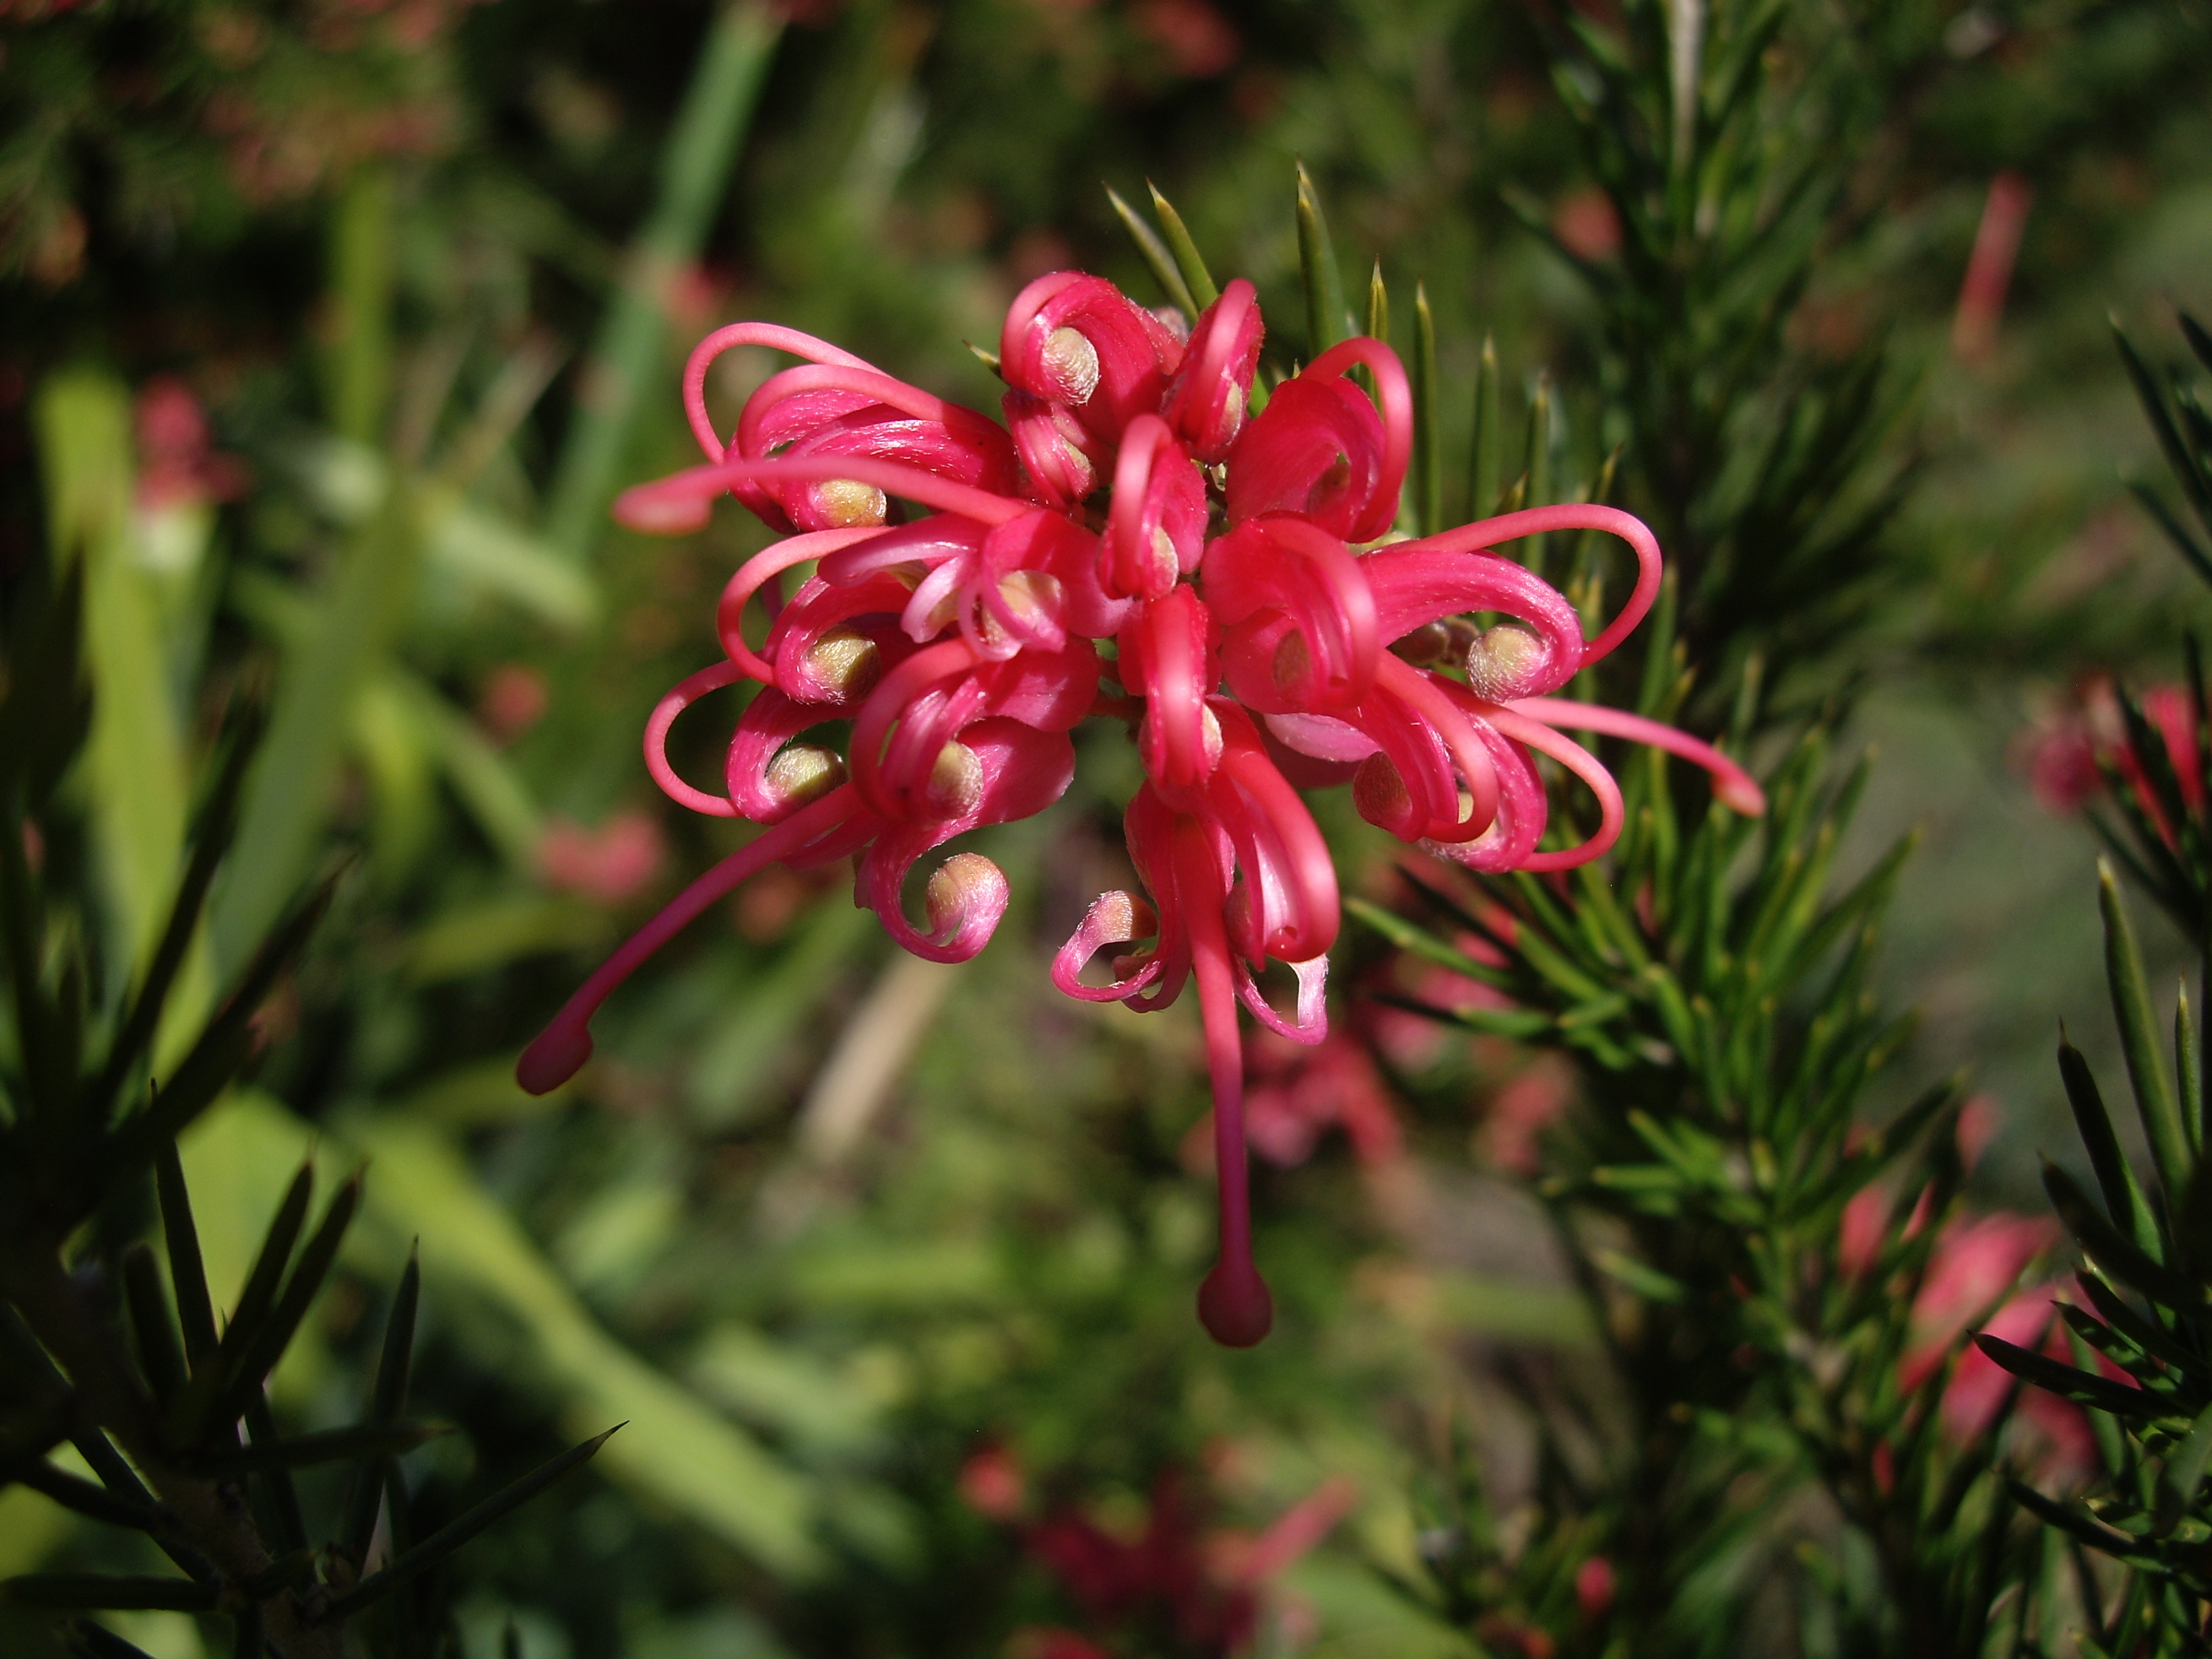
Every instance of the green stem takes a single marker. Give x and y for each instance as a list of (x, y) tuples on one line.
[(703, 148)]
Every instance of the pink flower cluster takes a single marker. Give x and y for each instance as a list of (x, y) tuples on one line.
[(1187, 1588), (1146, 539)]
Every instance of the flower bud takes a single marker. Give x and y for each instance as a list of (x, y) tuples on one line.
[(1033, 596), (801, 772), (964, 885), (1503, 661), (1379, 795), (849, 505), (846, 663), (956, 782), (1070, 364)]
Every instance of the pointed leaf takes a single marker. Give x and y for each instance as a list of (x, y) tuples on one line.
[(2083, 1387), (387, 1399), (159, 1358), (370, 1440), (2112, 1253), (1155, 255), (2124, 1197), (1195, 277), (2139, 1039), (1326, 314), (450, 1537)]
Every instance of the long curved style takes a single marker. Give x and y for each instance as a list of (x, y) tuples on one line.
[(961, 648)]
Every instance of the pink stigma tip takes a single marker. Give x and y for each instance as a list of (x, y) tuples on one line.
[(557, 1054), (652, 511), (1234, 1305), (1741, 795)]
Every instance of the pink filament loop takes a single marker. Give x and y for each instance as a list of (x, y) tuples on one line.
[(1732, 786), (1585, 765), (687, 691), (757, 572), (1429, 699), (1568, 516), (741, 334), (681, 503), (559, 1052)]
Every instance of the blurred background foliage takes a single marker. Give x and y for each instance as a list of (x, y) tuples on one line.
[(331, 327)]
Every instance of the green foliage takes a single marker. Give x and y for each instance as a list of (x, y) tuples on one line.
[(157, 1381)]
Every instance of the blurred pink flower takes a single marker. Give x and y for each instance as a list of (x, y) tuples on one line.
[(993, 1485), (1989, 267), (2064, 757), (1593, 1587), (1587, 225), (513, 699), (178, 465), (613, 863), (1204, 1587), (1520, 1112), (1295, 1094), (1198, 40)]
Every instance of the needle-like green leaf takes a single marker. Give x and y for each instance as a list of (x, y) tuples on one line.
[(386, 1401), (450, 1537), (1428, 462), (2139, 1039), (1154, 253), (1195, 277), (1326, 315), (187, 1271)]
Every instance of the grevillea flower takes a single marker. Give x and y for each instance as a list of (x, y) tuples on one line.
[(1136, 542), (2067, 758), (1179, 1587)]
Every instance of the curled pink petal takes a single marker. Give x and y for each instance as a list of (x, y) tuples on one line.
[(836, 410), (1212, 390), (1732, 786), (1425, 698), (1018, 772), (1316, 452), (1079, 342), (1057, 455), (1167, 658), (1156, 527), (1114, 918), (1395, 397), (1310, 1024), (1303, 633)]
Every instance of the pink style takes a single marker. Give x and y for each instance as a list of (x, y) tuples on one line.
[(1260, 631)]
